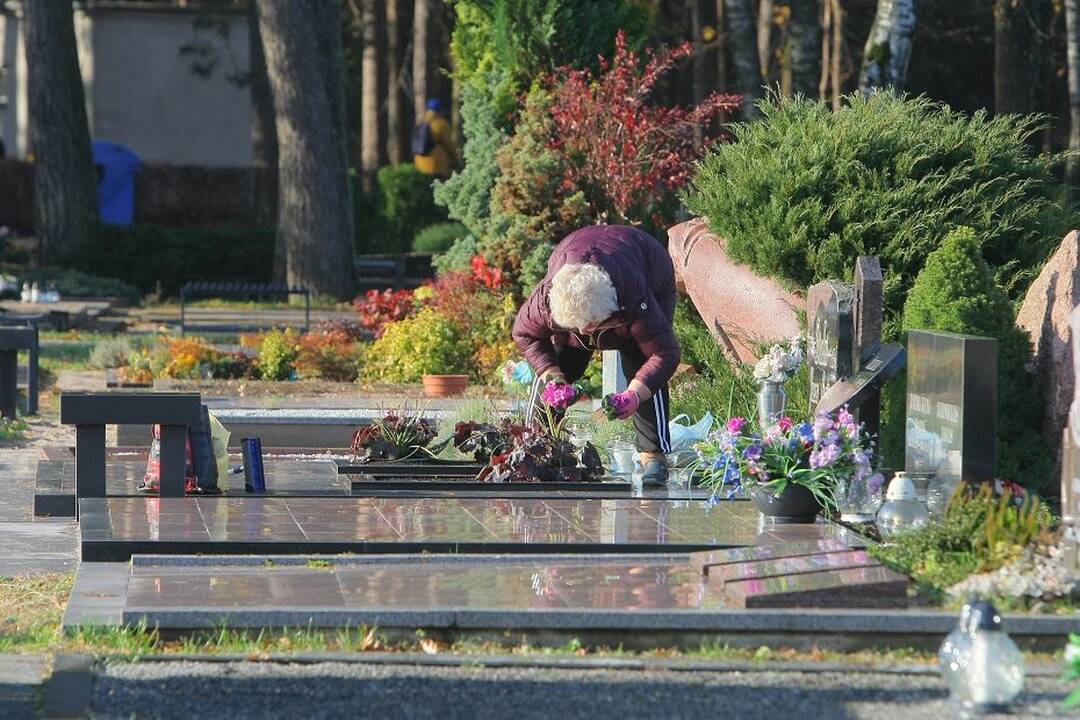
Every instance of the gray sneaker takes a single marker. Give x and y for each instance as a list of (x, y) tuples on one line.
[(655, 474)]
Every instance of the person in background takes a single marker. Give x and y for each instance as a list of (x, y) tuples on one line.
[(609, 287), (434, 152)]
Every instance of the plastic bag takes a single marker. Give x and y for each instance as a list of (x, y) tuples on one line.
[(684, 435), (219, 439)]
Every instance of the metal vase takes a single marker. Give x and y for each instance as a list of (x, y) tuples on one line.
[(771, 400)]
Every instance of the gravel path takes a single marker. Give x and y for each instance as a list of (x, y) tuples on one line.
[(335, 690)]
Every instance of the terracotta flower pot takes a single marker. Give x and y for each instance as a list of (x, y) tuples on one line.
[(438, 386)]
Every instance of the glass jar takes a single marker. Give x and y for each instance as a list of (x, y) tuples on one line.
[(859, 498), (987, 671)]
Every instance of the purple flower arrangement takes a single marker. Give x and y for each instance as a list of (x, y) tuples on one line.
[(559, 395), (819, 455)]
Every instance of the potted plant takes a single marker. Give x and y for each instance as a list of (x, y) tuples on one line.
[(395, 436), (790, 471)]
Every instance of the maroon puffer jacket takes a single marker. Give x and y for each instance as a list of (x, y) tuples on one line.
[(644, 280)]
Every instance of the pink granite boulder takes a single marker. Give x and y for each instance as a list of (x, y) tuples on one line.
[(739, 307), (1045, 315)]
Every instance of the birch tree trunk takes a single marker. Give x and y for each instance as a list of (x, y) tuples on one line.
[(421, 42), (804, 47), (302, 42), (1072, 41), (264, 146), (739, 16), (65, 181), (888, 47), (1014, 58)]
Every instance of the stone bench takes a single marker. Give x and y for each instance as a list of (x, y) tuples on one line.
[(91, 412), (12, 340)]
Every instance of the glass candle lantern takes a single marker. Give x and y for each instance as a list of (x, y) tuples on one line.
[(981, 664), (901, 510)]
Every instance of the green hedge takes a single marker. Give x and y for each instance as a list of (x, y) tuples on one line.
[(805, 190), (438, 238), (402, 204), (145, 256)]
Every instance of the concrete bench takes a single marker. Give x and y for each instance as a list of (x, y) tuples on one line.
[(14, 338), (91, 412)]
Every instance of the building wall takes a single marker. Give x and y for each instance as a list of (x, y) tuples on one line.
[(141, 90)]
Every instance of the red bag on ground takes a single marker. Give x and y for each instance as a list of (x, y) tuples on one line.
[(152, 479)]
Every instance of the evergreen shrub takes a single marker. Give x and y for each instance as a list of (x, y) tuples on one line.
[(805, 190)]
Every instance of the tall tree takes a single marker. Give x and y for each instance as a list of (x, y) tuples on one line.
[(302, 41), (421, 44), (371, 127), (742, 37), (804, 46), (831, 86), (394, 109), (766, 14), (888, 47), (1015, 51), (1072, 42), (65, 182), (264, 144)]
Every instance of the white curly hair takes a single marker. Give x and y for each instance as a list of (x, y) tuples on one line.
[(581, 295)]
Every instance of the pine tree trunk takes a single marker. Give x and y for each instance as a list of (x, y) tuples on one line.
[(371, 141), (721, 54), (395, 108), (1072, 41), (804, 47), (836, 55), (421, 45), (741, 28), (264, 146), (302, 42), (65, 180), (888, 47), (1014, 58)]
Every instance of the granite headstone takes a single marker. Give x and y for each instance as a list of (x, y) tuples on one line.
[(951, 407), (831, 346)]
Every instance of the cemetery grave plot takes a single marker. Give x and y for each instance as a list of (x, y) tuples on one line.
[(115, 528)]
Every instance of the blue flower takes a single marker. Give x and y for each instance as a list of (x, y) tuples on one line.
[(753, 452), (805, 431)]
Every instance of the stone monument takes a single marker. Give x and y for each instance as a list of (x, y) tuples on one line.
[(951, 407), (739, 307), (1070, 458), (831, 347)]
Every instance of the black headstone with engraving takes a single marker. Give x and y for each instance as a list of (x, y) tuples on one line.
[(951, 406), (830, 351)]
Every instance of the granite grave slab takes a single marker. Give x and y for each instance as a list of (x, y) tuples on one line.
[(115, 528)]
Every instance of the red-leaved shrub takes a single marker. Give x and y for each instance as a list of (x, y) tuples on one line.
[(377, 308), (628, 156)]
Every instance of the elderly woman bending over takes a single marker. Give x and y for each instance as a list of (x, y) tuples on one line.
[(608, 287)]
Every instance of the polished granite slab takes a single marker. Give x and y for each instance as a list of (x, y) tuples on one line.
[(115, 528), (506, 584), (54, 493)]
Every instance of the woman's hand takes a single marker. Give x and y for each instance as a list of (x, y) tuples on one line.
[(553, 375), (622, 405)]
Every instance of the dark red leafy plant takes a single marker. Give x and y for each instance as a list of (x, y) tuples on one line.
[(377, 308), (522, 453), (629, 156)]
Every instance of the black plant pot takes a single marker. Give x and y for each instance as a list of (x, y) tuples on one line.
[(795, 504)]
